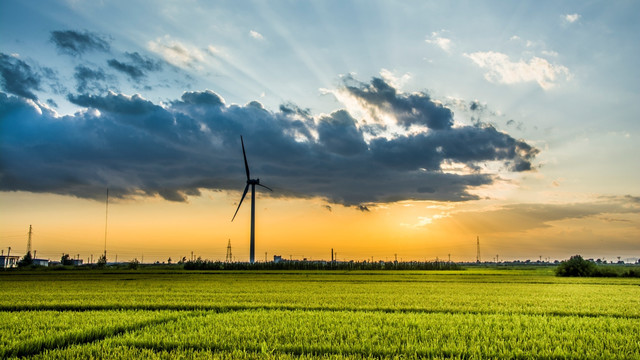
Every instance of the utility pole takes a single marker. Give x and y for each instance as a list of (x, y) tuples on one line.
[(106, 218), (331, 256), (478, 250), (265, 256), (29, 241), (497, 258), (449, 258)]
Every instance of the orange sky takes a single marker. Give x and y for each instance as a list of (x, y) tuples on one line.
[(158, 229)]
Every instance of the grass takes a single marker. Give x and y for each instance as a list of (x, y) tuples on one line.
[(475, 313)]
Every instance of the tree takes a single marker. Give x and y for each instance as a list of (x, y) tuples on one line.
[(133, 264), (66, 260), (576, 266), (26, 260), (102, 261)]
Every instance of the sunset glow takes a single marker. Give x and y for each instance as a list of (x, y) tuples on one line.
[(385, 129)]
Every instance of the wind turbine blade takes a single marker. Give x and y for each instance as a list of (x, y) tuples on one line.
[(246, 165), (266, 187), (246, 188)]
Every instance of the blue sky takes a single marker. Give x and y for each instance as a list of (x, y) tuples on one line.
[(541, 100)]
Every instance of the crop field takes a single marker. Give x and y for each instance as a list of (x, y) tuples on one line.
[(468, 314)]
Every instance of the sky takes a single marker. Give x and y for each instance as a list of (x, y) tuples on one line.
[(386, 129)]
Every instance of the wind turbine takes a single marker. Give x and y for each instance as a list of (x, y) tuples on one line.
[(253, 183)]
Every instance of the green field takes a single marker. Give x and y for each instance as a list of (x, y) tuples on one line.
[(469, 314)]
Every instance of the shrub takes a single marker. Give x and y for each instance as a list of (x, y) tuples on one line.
[(576, 266)]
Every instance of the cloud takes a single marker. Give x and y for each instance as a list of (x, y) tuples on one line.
[(383, 100), (442, 42), (256, 35), (89, 80), (523, 217), (76, 43), (173, 150), (176, 53), (137, 67), (393, 80), (504, 71), (18, 77), (571, 18), (132, 71)]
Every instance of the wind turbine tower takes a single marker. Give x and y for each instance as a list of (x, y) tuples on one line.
[(253, 183)]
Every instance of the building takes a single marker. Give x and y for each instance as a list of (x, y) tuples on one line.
[(9, 261), (76, 262), (41, 262), (277, 258)]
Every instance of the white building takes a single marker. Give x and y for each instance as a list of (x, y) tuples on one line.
[(8, 261)]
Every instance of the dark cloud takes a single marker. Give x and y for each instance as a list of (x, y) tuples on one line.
[(18, 77), (52, 103), (338, 134), (144, 62), (408, 109), (173, 150), (89, 80), (137, 67), (76, 43), (130, 70), (206, 97)]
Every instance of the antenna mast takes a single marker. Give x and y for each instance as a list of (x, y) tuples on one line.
[(478, 250), (29, 241)]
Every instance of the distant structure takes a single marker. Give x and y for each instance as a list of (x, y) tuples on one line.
[(29, 240), (253, 183), (106, 218), (478, 250), (229, 257), (8, 261)]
